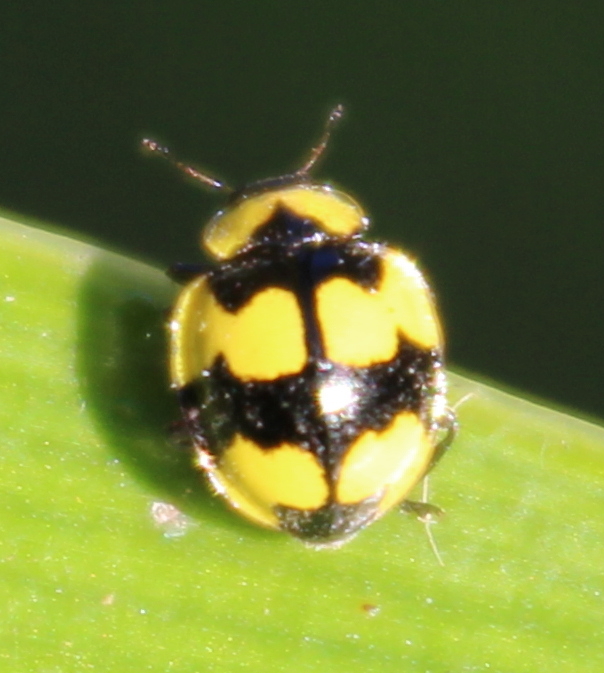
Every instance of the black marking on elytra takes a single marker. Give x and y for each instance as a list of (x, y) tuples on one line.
[(333, 522), (286, 410), (289, 253)]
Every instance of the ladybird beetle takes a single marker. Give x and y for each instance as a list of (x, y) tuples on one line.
[(307, 360)]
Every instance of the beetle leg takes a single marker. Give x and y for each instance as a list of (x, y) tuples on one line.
[(180, 434), (183, 272), (446, 426)]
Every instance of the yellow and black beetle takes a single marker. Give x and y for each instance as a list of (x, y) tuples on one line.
[(308, 361)]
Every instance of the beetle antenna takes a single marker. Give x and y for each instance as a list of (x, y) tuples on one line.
[(160, 150), (317, 151)]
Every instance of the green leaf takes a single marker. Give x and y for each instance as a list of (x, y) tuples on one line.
[(94, 578)]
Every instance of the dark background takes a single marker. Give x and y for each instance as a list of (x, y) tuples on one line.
[(474, 136)]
